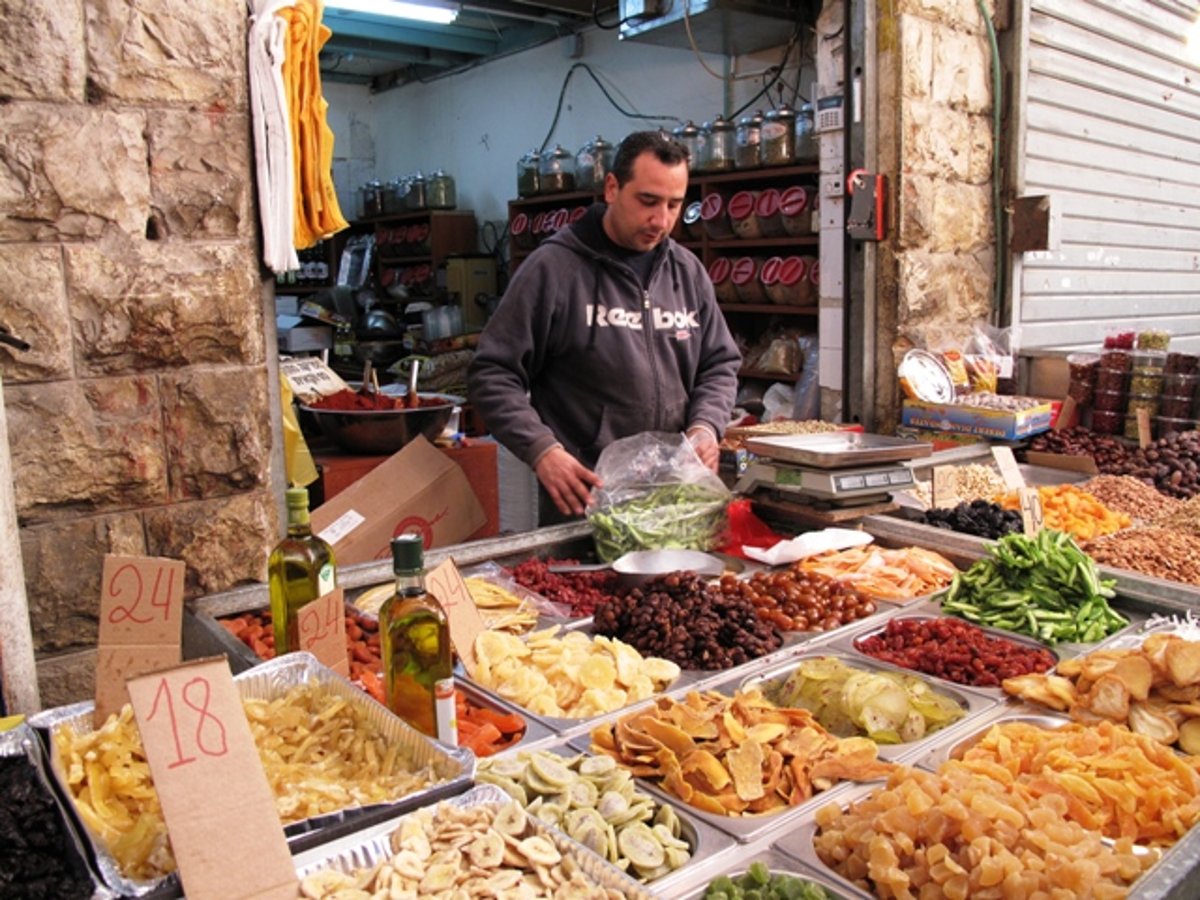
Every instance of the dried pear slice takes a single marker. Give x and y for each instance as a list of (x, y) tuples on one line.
[(663, 834), (676, 857), (550, 769), (667, 816), (540, 851), (640, 811), (512, 788), (505, 766), (597, 766), (510, 819), (582, 794), (638, 844), (612, 804)]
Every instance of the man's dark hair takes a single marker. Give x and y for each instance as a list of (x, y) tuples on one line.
[(666, 149)]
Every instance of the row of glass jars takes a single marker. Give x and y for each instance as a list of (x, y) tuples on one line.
[(778, 137), (556, 171), (410, 193)]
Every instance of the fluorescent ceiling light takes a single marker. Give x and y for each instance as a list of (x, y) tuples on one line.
[(398, 9)]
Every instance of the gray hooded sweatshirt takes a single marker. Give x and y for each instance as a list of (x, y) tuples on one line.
[(578, 353)]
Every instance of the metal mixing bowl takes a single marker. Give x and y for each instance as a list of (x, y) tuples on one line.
[(378, 432)]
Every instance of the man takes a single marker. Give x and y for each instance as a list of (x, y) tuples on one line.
[(608, 329)]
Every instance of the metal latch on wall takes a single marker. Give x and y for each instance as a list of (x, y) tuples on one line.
[(866, 219)]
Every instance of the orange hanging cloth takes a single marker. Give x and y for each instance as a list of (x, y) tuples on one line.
[(317, 214)]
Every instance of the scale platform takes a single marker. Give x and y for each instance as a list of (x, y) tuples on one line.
[(841, 468)]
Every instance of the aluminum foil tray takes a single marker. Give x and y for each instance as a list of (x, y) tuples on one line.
[(706, 842), (835, 449), (776, 860), (972, 703), (22, 741), (369, 847), (743, 829), (267, 681), (847, 644)]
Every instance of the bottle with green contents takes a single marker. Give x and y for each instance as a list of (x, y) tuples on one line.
[(301, 569), (415, 641)]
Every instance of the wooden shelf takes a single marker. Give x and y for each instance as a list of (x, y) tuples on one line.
[(752, 243), (761, 375), (770, 309)]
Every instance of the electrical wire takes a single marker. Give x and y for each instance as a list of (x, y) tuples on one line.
[(618, 23), (774, 78), (562, 93)]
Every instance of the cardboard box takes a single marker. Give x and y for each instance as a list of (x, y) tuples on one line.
[(418, 489), (989, 423)]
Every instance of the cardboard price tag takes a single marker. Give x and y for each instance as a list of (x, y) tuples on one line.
[(1066, 413), (1031, 510), (321, 624), (141, 621), (1009, 470), (446, 586), (1145, 439), (219, 809), (944, 487), (310, 378)]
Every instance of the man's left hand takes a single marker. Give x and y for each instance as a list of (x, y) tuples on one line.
[(704, 442)]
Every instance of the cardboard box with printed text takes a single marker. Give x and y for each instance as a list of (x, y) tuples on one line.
[(418, 489)]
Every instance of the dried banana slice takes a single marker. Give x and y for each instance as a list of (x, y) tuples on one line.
[(510, 819), (321, 884), (540, 851), (487, 850)]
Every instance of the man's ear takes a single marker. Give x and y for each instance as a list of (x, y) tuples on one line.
[(610, 187)]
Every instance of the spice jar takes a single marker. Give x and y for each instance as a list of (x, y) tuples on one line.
[(716, 222), (747, 139), (691, 228), (416, 198), (1147, 371), (392, 198), (778, 144), (719, 145), (689, 136), (746, 282), (719, 272), (795, 208), (766, 208), (1083, 369), (807, 147), (528, 184), (1107, 421), (556, 171), (1153, 339), (742, 216), (372, 199), (791, 286), (1108, 401), (1182, 364), (1167, 425), (442, 191), (1177, 384), (592, 163), (1175, 406)]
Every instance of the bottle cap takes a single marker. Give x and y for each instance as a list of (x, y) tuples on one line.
[(297, 498), (408, 553)]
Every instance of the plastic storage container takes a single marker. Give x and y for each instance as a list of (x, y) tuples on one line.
[(770, 219), (746, 281), (713, 215), (1107, 421), (720, 271), (796, 210), (791, 286), (1083, 369), (742, 216)]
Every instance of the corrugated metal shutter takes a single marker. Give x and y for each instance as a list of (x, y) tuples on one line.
[(1109, 123)]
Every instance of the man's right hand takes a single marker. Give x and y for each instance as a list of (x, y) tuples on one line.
[(568, 481)]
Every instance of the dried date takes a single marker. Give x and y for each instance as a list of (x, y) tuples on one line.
[(795, 600)]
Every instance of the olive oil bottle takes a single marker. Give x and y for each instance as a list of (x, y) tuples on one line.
[(415, 642), (301, 569)]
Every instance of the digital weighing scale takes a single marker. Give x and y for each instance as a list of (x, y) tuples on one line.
[(840, 468)]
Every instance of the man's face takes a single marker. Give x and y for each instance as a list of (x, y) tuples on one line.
[(642, 212)]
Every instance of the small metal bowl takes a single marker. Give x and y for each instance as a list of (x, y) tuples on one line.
[(377, 432)]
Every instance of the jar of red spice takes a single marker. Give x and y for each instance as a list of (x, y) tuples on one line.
[(1107, 421), (796, 210), (743, 217), (746, 281), (720, 271), (792, 287), (716, 222)]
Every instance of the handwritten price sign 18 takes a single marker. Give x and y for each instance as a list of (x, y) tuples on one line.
[(206, 769)]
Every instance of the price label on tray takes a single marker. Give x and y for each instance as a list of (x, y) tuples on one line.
[(448, 588), (219, 808), (141, 621), (1032, 519), (322, 627), (1009, 470), (944, 488)]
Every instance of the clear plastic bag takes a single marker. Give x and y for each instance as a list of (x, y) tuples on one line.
[(657, 495)]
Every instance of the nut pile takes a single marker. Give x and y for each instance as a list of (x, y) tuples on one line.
[(1157, 552), (795, 600), (682, 618), (970, 482), (581, 592), (1184, 517), (1129, 495)]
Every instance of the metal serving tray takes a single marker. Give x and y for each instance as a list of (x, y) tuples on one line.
[(835, 449), (964, 740), (536, 734), (268, 681), (744, 829), (776, 860), (706, 842), (365, 849), (972, 703), (848, 644)]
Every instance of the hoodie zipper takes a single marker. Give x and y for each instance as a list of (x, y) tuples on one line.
[(648, 329)]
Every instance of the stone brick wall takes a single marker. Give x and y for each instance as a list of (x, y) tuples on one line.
[(140, 420), (935, 271)]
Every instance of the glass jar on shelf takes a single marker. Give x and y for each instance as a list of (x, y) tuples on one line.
[(417, 197), (747, 139), (807, 148), (556, 171), (690, 137), (372, 199), (719, 145), (528, 184), (592, 164), (778, 143), (442, 193)]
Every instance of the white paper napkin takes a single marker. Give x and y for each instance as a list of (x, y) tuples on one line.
[(808, 544)]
